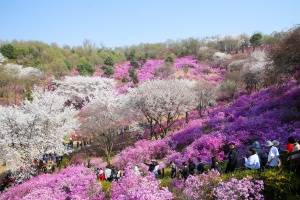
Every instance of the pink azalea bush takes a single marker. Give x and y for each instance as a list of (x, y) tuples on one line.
[(136, 187), (240, 189), (142, 151), (206, 147), (74, 182), (98, 163), (201, 187), (211, 186)]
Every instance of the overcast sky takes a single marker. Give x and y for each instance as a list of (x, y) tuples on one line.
[(126, 22)]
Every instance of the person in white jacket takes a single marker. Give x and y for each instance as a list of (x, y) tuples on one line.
[(253, 161)]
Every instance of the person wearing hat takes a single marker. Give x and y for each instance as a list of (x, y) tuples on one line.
[(261, 155), (232, 156), (273, 154)]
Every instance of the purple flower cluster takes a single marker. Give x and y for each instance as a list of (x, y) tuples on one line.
[(206, 147), (201, 187), (74, 182), (239, 189), (135, 187), (142, 151)]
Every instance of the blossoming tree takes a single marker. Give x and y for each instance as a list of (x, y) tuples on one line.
[(163, 101), (205, 96), (2, 59), (36, 127), (79, 89), (102, 118)]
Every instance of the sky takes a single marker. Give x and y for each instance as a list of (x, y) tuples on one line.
[(114, 23)]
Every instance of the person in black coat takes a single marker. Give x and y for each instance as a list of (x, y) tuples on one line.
[(232, 158), (173, 170), (151, 165), (192, 166), (200, 166), (185, 171)]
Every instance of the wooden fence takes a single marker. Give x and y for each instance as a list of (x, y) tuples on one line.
[(290, 160)]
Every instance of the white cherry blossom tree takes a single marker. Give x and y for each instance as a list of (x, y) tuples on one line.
[(163, 101), (36, 127), (79, 89), (2, 59), (103, 116), (205, 94)]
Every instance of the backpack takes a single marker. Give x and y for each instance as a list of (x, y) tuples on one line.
[(159, 172), (113, 175)]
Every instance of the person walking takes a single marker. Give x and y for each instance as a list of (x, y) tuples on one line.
[(137, 170), (232, 158), (151, 165), (101, 175), (173, 170), (185, 171), (272, 156), (200, 166), (107, 173), (214, 164), (192, 166)]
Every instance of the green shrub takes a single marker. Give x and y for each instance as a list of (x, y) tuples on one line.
[(168, 172), (241, 174), (64, 162), (165, 182), (186, 69), (106, 188), (124, 80), (200, 57), (133, 75), (106, 185), (278, 184), (170, 60), (85, 68), (109, 70), (206, 71), (134, 63), (109, 61), (281, 184)]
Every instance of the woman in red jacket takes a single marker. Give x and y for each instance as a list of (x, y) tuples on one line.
[(101, 175), (290, 145)]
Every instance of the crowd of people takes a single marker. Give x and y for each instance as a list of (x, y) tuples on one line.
[(255, 159), (110, 173), (48, 164), (6, 182), (79, 143)]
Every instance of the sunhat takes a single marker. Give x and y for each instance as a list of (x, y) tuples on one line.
[(275, 143), (269, 143), (256, 145)]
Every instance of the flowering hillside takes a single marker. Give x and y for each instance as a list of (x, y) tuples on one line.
[(186, 67), (271, 114)]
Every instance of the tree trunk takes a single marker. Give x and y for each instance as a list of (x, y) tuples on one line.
[(186, 117), (108, 158)]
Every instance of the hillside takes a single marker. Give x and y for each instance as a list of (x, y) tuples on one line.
[(271, 114), (160, 107)]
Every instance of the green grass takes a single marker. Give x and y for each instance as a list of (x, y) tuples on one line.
[(64, 162)]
